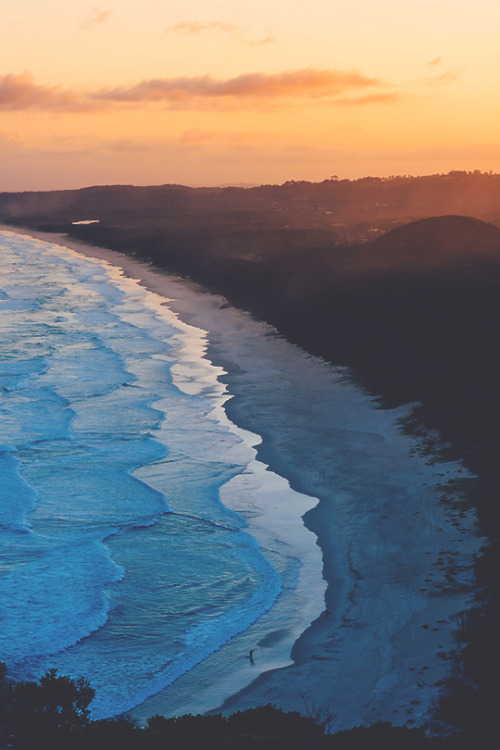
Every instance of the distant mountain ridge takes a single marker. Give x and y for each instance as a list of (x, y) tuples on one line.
[(351, 210)]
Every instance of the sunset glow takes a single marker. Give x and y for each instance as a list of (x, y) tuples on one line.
[(232, 93)]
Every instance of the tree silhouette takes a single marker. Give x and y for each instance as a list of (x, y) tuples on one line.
[(38, 714)]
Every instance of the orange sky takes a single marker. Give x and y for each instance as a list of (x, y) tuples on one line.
[(236, 93)]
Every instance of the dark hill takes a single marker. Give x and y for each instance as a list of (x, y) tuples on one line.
[(442, 234), (440, 241), (351, 211)]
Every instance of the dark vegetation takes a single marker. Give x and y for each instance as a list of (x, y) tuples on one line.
[(53, 715), (415, 314), (346, 210)]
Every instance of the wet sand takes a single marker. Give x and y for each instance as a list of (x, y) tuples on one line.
[(397, 549)]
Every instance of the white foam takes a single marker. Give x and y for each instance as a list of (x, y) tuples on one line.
[(272, 510), (380, 655)]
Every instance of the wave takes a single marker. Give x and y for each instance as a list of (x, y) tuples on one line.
[(60, 598), (17, 498), (124, 441)]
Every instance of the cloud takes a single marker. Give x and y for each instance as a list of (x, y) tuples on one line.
[(20, 92), (449, 76), (293, 84), (12, 140), (262, 42), (441, 79), (193, 137), (131, 146), (380, 98), (436, 61), (190, 138), (97, 16), (195, 28)]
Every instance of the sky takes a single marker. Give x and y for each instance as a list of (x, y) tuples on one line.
[(235, 93)]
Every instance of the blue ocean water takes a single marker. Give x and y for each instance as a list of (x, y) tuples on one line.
[(119, 561)]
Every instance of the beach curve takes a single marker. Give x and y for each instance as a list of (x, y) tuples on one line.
[(381, 643)]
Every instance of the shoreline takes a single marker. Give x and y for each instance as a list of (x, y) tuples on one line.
[(324, 634), (272, 499)]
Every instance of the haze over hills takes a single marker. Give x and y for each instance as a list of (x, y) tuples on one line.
[(349, 210)]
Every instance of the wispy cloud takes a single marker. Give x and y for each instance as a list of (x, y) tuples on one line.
[(97, 16), (261, 42), (12, 140), (191, 137), (448, 76), (195, 28), (435, 62), (293, 84), (20, 92), (390, 97)]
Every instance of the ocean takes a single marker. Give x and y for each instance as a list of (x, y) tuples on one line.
[(119, 560), (152, 508)]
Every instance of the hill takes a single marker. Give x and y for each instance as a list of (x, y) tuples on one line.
[(349, 210), (437, 241)]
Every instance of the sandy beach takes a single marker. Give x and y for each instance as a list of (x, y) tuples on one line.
[(397, 546)]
